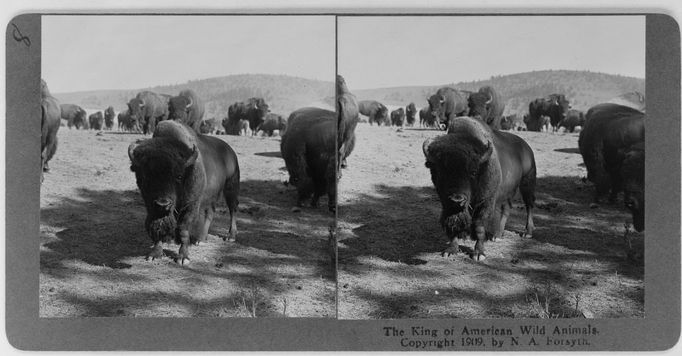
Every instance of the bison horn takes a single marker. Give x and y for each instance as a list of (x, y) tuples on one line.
[(488, 152), (190, 161), (489, 100), (141, 103), (425, 148), (190, 103)]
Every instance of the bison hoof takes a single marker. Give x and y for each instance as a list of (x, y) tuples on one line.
[(451, 250), (480, 257), (157, 252), (182, 260), (231, 237)]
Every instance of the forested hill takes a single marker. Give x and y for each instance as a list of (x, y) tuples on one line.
[(283, 93), (582, 88)]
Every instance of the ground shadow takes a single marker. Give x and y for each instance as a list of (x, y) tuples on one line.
[(568, 150), (275, 154)]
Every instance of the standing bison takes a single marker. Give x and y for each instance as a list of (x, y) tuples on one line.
[(186, 108), (609, 129), (96, 121), (375, 111), (208, 126), (232, 123), (124, 122), (109, 115), (74, 115), (146, 109), (254, 112), (398, 117), (554, 106), (573, 119), (447, 104), (50, 121), (476, 172), (410, 113), (632, 173), (181, 176), (487, 105), (426, 119), (273, 122), (348, 117)]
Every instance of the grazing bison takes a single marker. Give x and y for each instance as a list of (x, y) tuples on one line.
[(398, 117), (375, 111), (348, 117), (476, 172), (74, 115), (146, 109), (632, 173), (186, 108), (181, 176), (309, 150), (447, 104), (254, 113), (410, 112), (208, 126), (554, 106), (487, 104), (273, 122), (609, 128), (573, 118), (426, 119), (109, 115), (50, 121), (96, 121)]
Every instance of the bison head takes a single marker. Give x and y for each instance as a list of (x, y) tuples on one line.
[(162, 169), (437, 106), (632, 172), (135, 109), (479, 105), (179, 108), (455, 163)]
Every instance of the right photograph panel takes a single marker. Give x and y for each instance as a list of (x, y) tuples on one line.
[(497, 168)]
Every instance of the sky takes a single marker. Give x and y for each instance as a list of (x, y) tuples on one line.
[(133, 52), (378, 52)]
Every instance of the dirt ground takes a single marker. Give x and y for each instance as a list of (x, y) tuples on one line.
[(93, 242), (390, 241)]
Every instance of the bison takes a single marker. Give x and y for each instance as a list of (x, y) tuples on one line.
[(447, 104), (476, 172), (310, 152), (254, 113), (375, 111), (426, 119), (410, 112), (348, 117), (273, 122), (109, 118), (186, 108), (50, 121), (554, 106), (573, 119), (208, 126), (398, 117), (232, 123), (74, 115), (146, 109), (96, 121), (632, 173), (487, 105), (181, 176), (125, 123), (609, 129)]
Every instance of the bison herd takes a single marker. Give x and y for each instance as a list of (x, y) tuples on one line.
[(476, 168)]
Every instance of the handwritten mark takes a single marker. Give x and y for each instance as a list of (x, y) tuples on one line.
[(19, 37)]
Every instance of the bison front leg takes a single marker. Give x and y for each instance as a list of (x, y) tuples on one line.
[(183, 252), (156, 252), (452, 249)]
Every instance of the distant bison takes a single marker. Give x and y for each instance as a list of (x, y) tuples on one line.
[(146, 109), (488, 105), (109, 115), (124, 122), (50, 121), (96, 121), (181, 176), (255, 111), (309, 151), (426, 119), (348, 116), (398, 117), (235, 113), (573, 119), (632, 173), (410, 113), (74, 115), (554, 106), (609, 129), (375, 111), (273, 122), (208, 126), (186, 108), (476, 172), (448, 103)]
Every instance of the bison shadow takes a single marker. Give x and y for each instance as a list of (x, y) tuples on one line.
[(275, 154), (568, 150)]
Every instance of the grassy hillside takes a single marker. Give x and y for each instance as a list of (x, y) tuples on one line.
[(582, 88), (283, 93)]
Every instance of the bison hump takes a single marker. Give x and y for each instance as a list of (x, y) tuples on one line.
[(464, 125), (174, 129)]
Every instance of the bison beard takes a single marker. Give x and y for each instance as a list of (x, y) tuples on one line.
[(457, 225), (162, 229)]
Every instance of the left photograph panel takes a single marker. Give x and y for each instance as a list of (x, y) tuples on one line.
[(164, 192)]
